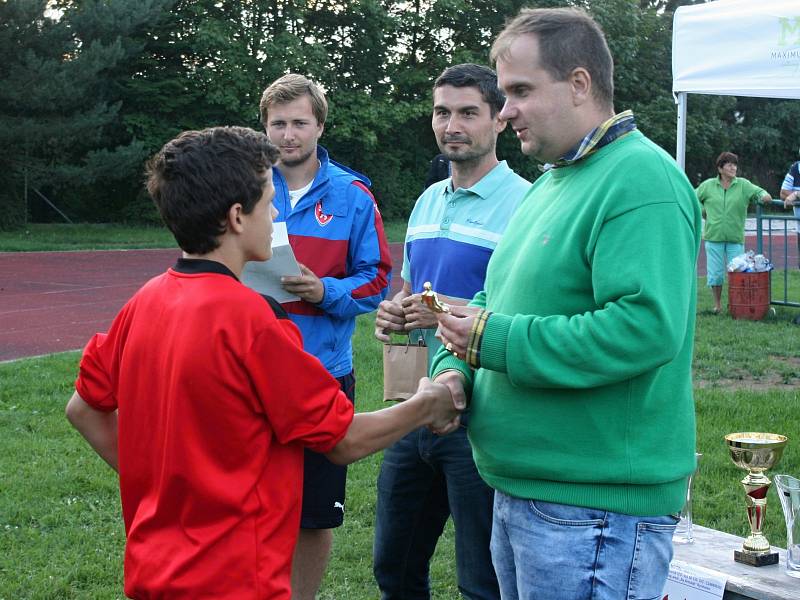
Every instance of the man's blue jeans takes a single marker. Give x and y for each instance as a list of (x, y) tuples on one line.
[(424, 478), (547, 551)]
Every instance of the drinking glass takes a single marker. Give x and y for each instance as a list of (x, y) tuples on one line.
[(683, 530), (788, 489)]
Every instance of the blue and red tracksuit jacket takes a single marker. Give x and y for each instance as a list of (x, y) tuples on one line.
[(335, 230)]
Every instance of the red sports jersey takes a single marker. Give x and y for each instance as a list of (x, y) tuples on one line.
[(216, 401)]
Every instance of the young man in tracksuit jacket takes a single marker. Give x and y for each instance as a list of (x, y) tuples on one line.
[(336, 232)]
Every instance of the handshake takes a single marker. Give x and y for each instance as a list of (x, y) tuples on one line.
[(441, 409)]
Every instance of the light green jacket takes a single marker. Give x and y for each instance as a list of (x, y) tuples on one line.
[(726, 210)]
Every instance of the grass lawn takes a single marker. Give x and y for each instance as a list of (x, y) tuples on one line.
[(84, 236), (61, 532), (395, 230), (100, 236)]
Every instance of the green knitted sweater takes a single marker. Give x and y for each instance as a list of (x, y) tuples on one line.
[(584, 395)]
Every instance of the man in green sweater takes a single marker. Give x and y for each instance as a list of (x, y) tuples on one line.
[(577, 354)]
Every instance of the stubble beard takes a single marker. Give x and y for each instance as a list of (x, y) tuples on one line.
[(467, 155), (294, 162)]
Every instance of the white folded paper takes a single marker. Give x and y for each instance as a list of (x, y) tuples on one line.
[(265, 276)]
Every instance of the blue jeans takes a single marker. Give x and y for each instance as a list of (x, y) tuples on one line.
[(546, 551), (424, 479)]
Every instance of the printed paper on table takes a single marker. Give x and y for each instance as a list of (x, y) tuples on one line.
[(690, 582)]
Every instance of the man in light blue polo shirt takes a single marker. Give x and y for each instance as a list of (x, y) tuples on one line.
[(452, 231)]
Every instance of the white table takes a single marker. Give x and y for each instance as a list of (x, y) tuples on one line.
[(713, 549)]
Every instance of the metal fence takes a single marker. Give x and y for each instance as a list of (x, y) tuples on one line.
[(770, 244)]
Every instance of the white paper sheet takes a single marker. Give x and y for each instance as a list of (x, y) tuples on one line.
[(265, 276), (690, 582)]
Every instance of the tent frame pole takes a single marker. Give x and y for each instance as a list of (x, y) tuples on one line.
[(680, 146)]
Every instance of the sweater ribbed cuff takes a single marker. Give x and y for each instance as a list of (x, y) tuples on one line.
[(473, 354), (494, 342), (447, 362)]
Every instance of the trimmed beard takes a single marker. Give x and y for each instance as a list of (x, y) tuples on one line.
[(298, 161), (471, 154)]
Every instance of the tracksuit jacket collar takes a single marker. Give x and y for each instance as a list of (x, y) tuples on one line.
[(331, 204)]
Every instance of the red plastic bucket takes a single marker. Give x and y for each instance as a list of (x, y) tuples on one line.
[(748, 295)]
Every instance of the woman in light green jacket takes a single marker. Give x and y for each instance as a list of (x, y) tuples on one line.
[(724, 200)]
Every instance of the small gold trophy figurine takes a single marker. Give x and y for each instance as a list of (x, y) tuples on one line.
[(431, 300), (755, 452)]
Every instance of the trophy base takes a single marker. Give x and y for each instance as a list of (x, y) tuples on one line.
[(755, 560)]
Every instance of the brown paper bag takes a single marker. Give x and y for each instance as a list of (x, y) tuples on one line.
[(403, 366)]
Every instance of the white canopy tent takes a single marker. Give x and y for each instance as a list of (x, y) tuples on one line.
[(734, 48)]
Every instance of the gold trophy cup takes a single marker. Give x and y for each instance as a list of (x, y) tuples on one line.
[(755, 452)]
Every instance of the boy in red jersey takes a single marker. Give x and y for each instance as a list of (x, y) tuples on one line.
[(201, 396)]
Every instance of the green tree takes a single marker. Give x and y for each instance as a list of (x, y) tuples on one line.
[(430, 37), (59, 104), (92, 87), (24, 36), (762, 131)]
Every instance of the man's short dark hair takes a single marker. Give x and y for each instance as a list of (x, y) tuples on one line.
[(725, 158), (196, 178), (568, 39), (477, 76)]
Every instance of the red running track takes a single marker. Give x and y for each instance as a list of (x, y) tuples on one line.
[(55, 301)]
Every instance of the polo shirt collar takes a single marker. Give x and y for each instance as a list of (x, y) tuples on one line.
[(487, 184), (197, 266)]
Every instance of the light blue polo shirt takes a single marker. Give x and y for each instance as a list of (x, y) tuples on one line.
[(452, 233)]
